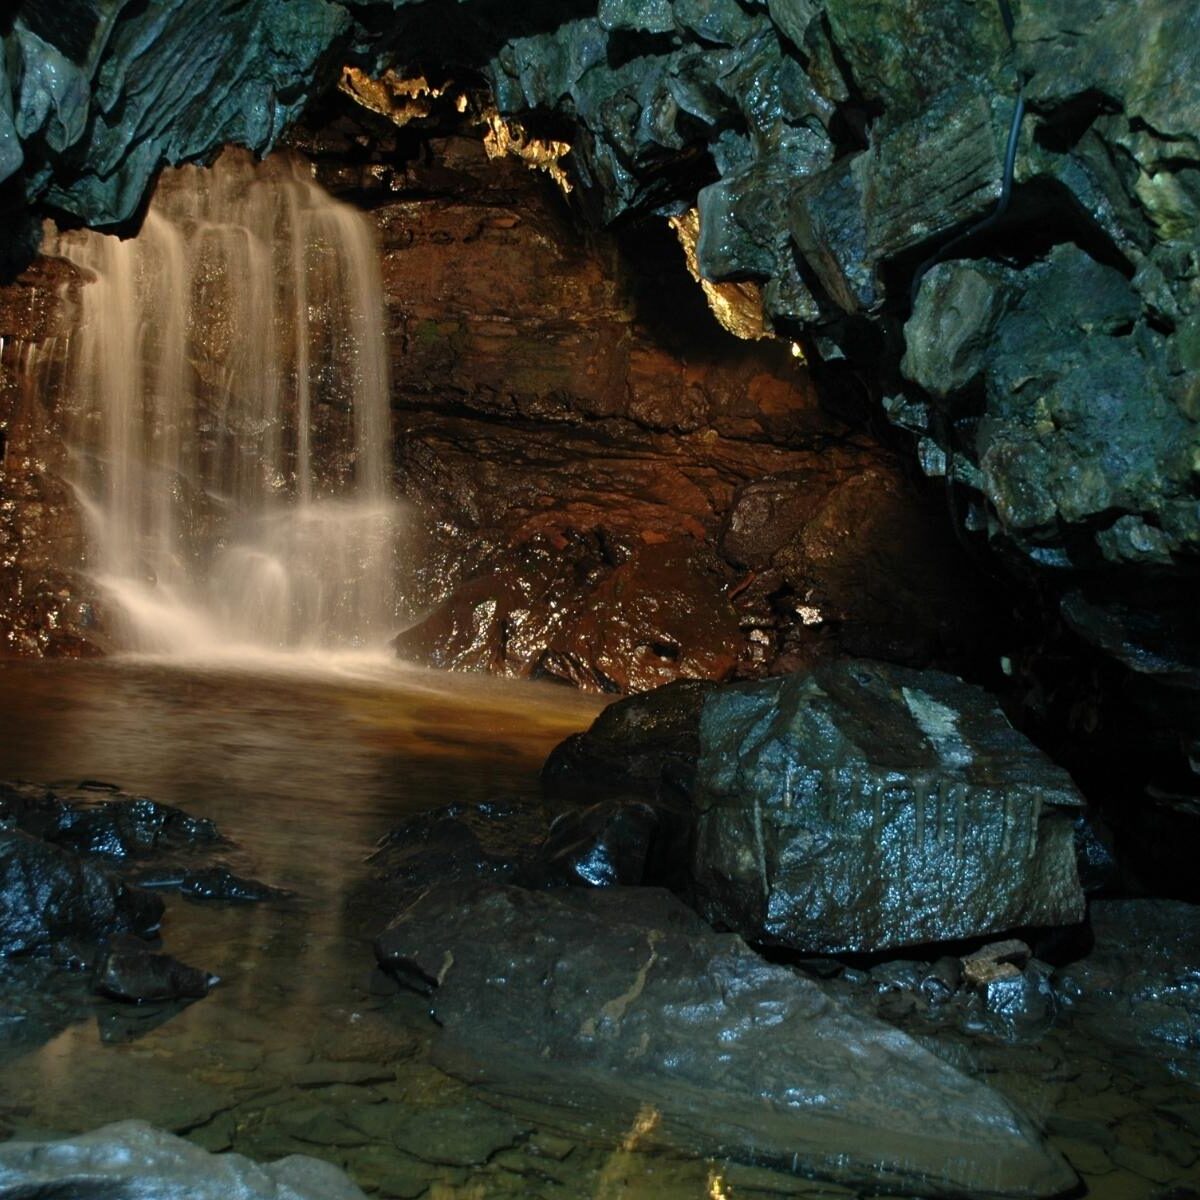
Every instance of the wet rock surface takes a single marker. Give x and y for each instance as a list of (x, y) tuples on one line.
[(1140, 985), (861, 807), (130, 970), (132, 1158), (512, 979), (644, 746), (49, 894), (75, 886), (614, 490)]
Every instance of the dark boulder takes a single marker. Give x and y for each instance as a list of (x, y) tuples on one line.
[(862, 807), (644, 746), (48, 894), (132, 1159), (612, 842), (601, 1006), (133, 826), (133, 970)]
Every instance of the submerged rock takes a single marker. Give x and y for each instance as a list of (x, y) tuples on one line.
[(862, 807), (133, 1159), (48, 894), (620, 1009)]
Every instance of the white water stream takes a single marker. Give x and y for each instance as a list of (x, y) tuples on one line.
[(232, 445)]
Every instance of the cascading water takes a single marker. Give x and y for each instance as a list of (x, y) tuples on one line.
[(233, 439)]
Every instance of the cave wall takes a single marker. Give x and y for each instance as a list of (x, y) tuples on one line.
[(1016, 283), (43, 608), (606, 486), (609, 488)]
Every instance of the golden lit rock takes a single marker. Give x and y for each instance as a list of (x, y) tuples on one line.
[(400, 100), (738, 306), (508, 137)]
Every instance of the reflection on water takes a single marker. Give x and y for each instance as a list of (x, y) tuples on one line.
[(304, 770)]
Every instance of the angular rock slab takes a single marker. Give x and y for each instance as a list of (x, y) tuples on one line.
[(131, 1160), (618, 1011), (863, 806)]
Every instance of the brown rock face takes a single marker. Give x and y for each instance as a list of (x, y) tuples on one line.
[(607, 487), (613, 490), (44, 606)]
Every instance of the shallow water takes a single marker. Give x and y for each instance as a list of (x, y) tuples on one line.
[(295, 1051)]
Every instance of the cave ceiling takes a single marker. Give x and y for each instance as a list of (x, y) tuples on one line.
[(993, 221)]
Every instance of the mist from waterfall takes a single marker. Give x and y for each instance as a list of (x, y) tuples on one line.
[(232, 442)]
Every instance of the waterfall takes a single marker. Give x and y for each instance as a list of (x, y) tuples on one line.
[(231, 439)]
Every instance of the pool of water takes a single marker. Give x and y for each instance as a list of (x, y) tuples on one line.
[(298, 1050)]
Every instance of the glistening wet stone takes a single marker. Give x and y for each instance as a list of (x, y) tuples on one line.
[(861, 807), (47, 894), (132, 1159), (619, 1009)]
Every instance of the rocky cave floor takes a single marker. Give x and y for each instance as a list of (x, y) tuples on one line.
[(529, 927)]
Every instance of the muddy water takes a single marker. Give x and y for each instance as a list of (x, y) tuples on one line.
[(296, 1051)]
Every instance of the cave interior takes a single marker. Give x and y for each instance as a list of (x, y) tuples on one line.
[(666, 532)]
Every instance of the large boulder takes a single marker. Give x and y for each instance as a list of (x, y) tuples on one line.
[(862, 807), (619, 1009), (131, 1160)]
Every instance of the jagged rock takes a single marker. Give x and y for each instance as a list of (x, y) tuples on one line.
[(219, 883), (48, 894), (131, 827), (512, 978), (131, 1158), (1060, 355), (862, 806), (124, 827), (131, 970), (102, 100)]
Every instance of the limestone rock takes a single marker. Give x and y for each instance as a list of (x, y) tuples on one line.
[(132, 1158), (861, 807), (617, 1009)]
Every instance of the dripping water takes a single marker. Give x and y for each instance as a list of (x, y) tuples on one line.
[(231, 444)]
